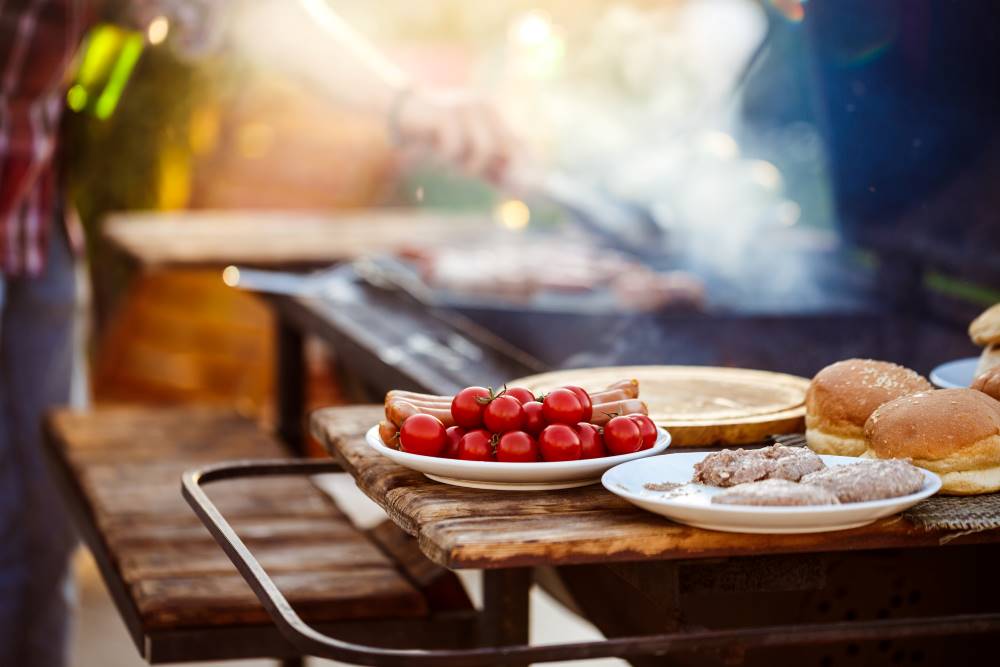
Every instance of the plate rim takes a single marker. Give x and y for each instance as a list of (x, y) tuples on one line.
[(932, 486), (662, 443), (512, 486)]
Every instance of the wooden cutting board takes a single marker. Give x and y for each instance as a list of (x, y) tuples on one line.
[(700, 405)]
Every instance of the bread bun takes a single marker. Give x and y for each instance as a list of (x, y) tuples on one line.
[(985, 329), (990, 358), (952, 432), (988, 383), (843, 395)]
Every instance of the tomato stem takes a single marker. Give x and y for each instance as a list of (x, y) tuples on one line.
[(494, 394)]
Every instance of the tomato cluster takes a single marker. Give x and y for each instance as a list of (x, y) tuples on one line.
[(515, 426)]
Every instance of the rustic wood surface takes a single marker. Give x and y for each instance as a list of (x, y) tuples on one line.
[(280, 238), (128, 463), (700, 405), (472, 528)]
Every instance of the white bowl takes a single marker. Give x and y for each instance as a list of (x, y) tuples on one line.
[(512, 476), (955, 374), (692, 505)]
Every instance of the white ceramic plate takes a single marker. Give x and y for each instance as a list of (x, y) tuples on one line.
[(692, 504), (955, 374), (512, 476)]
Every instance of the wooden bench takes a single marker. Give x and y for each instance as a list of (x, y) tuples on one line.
[(179, 595)]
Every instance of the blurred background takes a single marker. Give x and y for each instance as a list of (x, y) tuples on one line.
[(798, 188)]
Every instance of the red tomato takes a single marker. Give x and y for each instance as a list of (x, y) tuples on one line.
[(622, 436), (503, 414), (591, 441), (559, 442), (534, 420), (517, 447), (468, 405), (453, 435), (647, 428), (561, 406), (520, 393), (422, 434), (476, 446), (584, 397)]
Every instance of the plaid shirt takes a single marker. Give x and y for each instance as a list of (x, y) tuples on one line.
[(37, 41)]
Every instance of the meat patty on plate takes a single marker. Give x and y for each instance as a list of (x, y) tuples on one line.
[(730, 467), (868, 480), (775, 492)]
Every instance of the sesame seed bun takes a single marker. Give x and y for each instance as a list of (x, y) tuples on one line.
[(952, 432), (843, 395), (988, 383), (985, 329)]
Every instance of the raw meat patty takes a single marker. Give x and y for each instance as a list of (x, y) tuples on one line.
[(868, 480), (730, 467), (791, 463), (775, 492)]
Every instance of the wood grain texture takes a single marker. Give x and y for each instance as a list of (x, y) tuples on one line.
[(700, 405), (280, 238), (473, 528), (128, 463)]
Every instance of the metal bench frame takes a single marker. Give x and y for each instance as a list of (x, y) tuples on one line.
[(311, 641)]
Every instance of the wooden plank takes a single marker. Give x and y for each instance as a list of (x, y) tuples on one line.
[(129, 434), (187, 560), (281, 238), (244, 500), (473, 528), (253, 530), (126, 465), (633, 535), (318, 596), (453, 630)]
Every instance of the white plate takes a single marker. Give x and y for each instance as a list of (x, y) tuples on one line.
[(692, 505), (512, 476), (955, 374)]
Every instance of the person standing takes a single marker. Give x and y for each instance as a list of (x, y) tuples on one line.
[(38, 39)]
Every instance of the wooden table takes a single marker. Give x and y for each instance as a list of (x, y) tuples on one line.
[(592, 538), (459, 527), (286, 239)]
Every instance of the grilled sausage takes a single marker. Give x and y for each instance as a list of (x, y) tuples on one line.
[(398, 411), (417, 398), (610, 396), (603, 412), (388, 432), (630, 387)]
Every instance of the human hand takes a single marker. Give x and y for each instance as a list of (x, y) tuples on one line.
[(456, 127)]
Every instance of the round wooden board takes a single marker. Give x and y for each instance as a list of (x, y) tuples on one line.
[(700, 405)]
